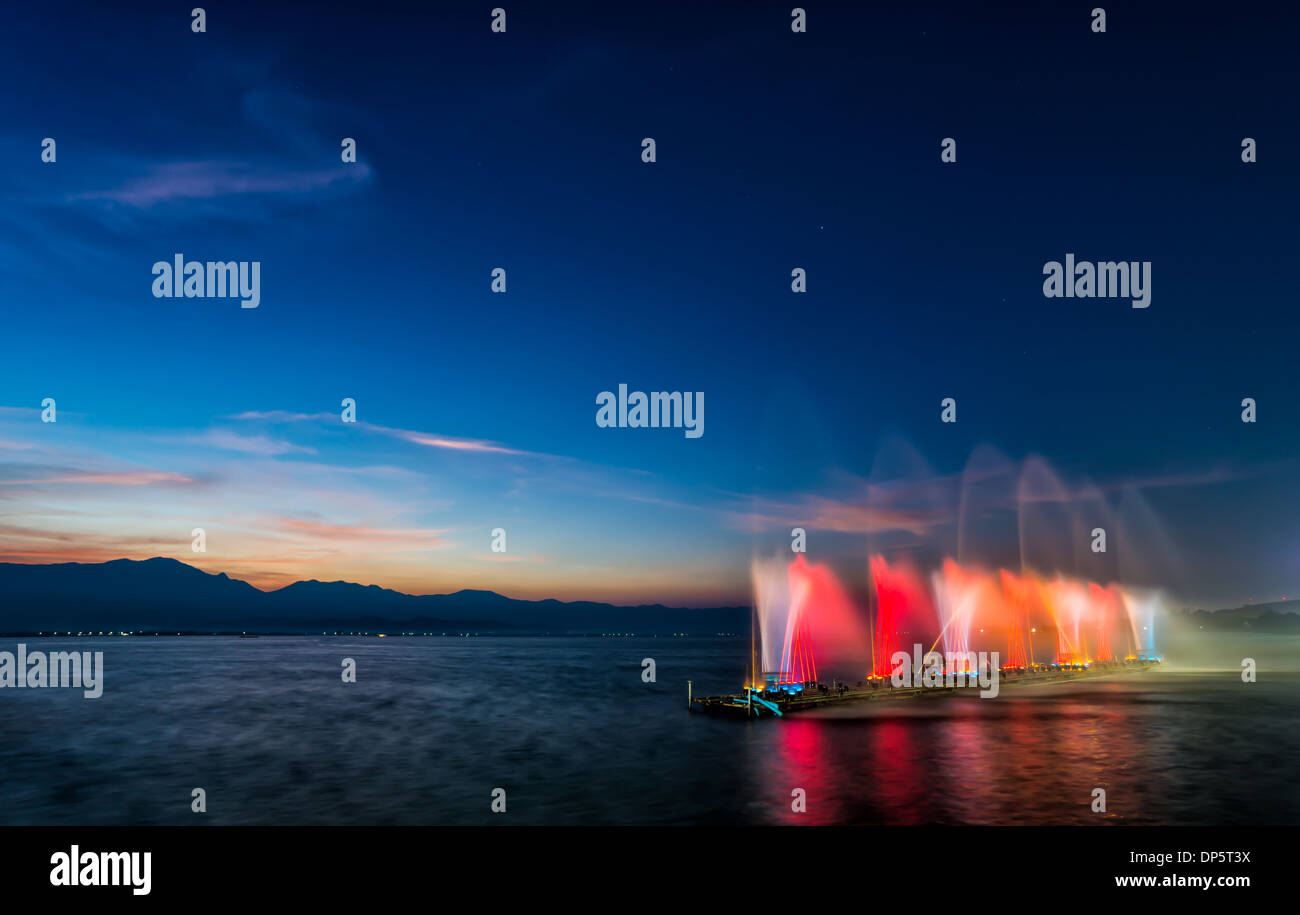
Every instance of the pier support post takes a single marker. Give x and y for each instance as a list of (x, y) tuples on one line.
[(688, 695)]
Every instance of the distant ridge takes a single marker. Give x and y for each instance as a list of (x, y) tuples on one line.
[(163, 594)]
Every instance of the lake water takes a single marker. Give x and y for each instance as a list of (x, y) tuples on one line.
[(268, 729)]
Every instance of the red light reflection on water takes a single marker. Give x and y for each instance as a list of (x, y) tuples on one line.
[(1012, 760)]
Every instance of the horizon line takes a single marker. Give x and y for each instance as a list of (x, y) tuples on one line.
[(340, 581)]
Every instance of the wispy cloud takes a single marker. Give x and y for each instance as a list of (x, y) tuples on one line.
[(42, 476), (130, 478), (248, 444), (824, 513), (282, 416), (206, 180), (415, 437), (407, 538), (25, 543), (452, 444), (508, 557)]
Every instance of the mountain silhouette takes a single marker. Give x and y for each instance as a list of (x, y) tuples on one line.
[(159, 594)]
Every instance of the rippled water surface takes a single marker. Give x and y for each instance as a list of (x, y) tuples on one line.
[(569, 729)]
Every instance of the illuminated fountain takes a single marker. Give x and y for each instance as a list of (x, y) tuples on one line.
[(904, 611), (1049, 597), (806, 620)]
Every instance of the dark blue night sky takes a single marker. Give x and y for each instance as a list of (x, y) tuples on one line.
[(522, 150)]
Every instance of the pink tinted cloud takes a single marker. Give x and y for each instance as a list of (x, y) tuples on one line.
[(123, 478), (205, 180), (426, 439), (456, 444), (417, 537)]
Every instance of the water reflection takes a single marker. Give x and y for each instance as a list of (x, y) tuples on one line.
[(1018, 759)]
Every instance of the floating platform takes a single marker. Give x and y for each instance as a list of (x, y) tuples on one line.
[(791, 698)]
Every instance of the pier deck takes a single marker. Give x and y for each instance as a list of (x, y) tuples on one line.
[(778, 703)]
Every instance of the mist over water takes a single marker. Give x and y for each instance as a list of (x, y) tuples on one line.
[(1188, 649)]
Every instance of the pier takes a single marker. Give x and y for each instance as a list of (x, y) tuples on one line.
[(776, 700)]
